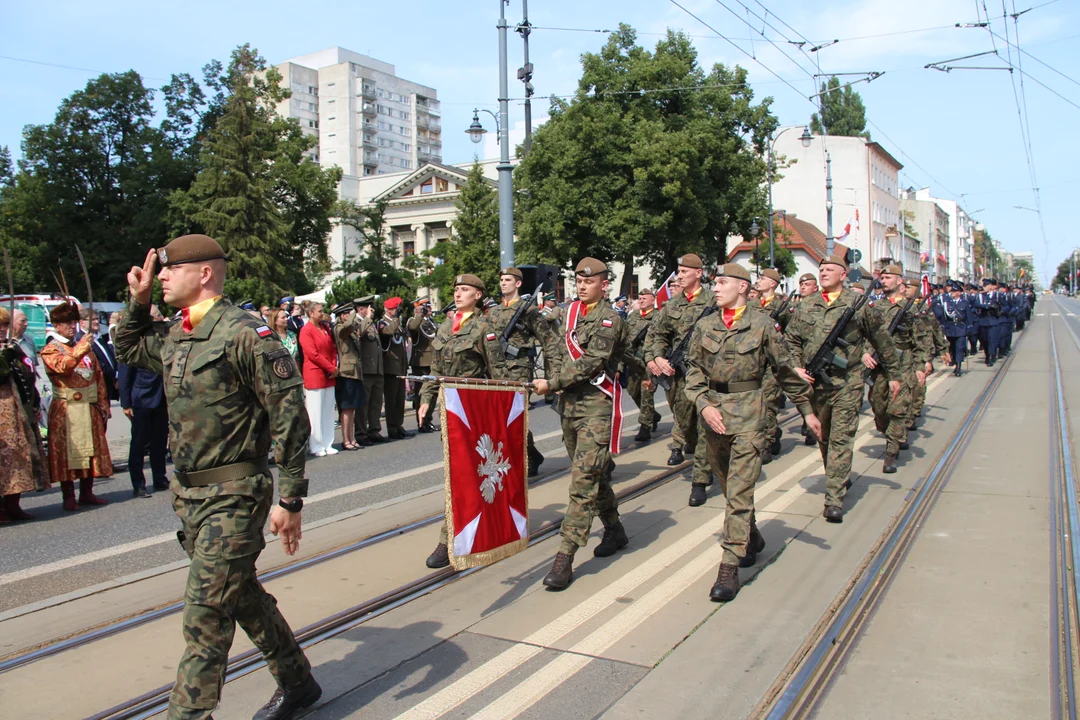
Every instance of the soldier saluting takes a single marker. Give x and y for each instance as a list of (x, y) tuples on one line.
[(421, 334), (731, 354), (226, 377)]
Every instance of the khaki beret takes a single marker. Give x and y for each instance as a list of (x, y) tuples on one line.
[(645, 291), (808, 277), (512, 271), (189, 249), (773, 275), (912, 282), (834, 260), (590, 267), (690, 260), (733, 270), (892, 269), (471, 281)]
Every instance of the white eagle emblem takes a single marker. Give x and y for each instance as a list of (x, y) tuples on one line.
[(493, 469)]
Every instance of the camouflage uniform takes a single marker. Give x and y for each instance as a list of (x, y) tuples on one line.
[(227, 379), (474, 352), (635, 324), (770, 387), (671, 325), (371, 362), (838, 407), (421, 333), (891, 415), (743, 354), (931, 339)]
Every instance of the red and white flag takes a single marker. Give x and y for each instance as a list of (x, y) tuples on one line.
[(663, 294), (925, 285), (487, 503), (853, 224)]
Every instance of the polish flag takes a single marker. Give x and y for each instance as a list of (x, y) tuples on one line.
[(926, 285), (852, 224), (663, 294), (484, 473)]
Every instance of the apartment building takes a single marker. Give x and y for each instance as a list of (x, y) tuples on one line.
[(961, 242), (932, 223), (368, 121)]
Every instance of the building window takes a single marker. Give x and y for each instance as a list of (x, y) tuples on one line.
[(403, 115), (426, 187), (408, 248), (406, 163), (312, 90), (332, 117), (312, 107), (367, 171), (441, 185)]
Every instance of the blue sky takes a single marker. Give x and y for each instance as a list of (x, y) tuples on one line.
[(956, 132)]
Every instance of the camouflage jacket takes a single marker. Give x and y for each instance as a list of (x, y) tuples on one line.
[(908, 348), (347, 339), (744, 353), (636, 325), (395, 354), (812, 322), (473, 353), (422, 331), (938, 342), (371, 353), (674, 321), (532, 329), (231, 387), (774, 302)]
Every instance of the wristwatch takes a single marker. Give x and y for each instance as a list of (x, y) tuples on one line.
[(293, 506)]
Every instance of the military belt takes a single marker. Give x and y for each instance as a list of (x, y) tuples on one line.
[(224, 473), (735, 387)]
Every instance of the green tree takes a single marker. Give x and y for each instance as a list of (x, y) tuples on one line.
[(842, 112), (783, 259), (1064, 271), (374, 267), (653, 157), (474, 245)]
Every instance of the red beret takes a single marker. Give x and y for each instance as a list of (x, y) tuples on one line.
[(392, 303)]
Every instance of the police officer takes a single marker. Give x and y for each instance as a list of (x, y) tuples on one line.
[(585, 372), (729, 354), (639, 384), (232, 388), (989, 312), (422, 329), (952, 313), (971, 298), (371, 363)]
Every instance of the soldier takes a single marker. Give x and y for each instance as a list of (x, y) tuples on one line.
[(639, 385), (808, 286), (349, 385), (232, 388), (675, 322), (422, 330), (467, 346), (552, 311), (371, 363), (395, 366), (952, 313), (768, 303), (931, 341), (730, 355), (586, 375), (519, 343), (838, 406)]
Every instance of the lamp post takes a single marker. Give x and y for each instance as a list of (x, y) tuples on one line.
[(770, 168), (754, 230), (502, 127)]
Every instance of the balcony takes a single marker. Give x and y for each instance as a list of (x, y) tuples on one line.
[(368, 142), (368, 92), (432, 111), (370, 109)]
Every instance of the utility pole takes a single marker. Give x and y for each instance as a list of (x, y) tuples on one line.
[(830, 241), (506, 183), (525, 73)]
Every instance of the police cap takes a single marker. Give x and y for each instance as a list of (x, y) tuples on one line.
[(189, 249), (591, 267), (471, 281)]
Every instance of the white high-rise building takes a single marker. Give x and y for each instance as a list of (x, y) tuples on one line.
[(367, 119)]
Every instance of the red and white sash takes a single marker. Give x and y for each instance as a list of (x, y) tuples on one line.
[(608, 385)]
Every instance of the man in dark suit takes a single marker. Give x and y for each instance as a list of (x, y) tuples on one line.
[(142, 396), (103, 349)]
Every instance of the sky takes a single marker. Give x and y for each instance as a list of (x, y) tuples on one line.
[(958, 133)]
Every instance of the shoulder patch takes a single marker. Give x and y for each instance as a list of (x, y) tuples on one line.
[(264, 331), (777, 326), (490, 336), (606, 323), (870, 303)]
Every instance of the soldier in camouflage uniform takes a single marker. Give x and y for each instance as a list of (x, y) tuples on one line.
[(838, 406), (931, 340), (227, 376), (767, 304), (585, 372), (466, 346), (395, 366), (422, 330), (731, 353), (639, 384), (551, 311), (675, 321), (520, 346)]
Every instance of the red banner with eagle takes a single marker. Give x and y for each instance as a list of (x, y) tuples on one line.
[(487, 499)]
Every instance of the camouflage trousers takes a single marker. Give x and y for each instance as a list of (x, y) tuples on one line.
[(644, 399), (588, 442), (771, 390), (891, 416), (736, 462), (223, 536), (687, 430), (522, 371), (838, 411), (918, 399)]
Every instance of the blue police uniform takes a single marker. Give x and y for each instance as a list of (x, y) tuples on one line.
[(989, 311), (970, 299), (953, 315)]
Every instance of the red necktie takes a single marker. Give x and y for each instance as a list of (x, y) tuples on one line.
[(186, 325), (458, 318), (728, 316)]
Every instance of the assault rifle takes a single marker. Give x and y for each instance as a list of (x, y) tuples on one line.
[(677, 357), (512, 352), (782, 307), (826, 355)]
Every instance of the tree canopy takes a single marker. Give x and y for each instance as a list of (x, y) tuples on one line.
[(842, 111), (474, 245)]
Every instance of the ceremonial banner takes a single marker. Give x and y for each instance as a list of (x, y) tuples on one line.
[(487, 503)]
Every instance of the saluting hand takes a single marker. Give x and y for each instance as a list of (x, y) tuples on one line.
[(141, 279), (287, 524)]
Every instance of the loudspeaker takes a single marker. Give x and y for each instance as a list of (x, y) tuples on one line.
[(540, 274)]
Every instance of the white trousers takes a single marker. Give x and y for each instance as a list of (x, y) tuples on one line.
[(320, 410)]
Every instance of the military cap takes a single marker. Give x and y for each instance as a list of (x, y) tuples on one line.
[(733, 270), (421, 301), (892, 269), (690, 260), (954, 286), (773, 275), (392, 303), (366, 301), (65, 312), (549, 296), (189, 249), (808, 277), (621, 298), (489, 302), (645, 291), (590, 267), (286, 299), (247, 304), (341, 308), (834, 260), (471, 281), (512, 271), (912, 282), (987, 281)]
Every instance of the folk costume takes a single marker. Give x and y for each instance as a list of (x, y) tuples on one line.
[(22, 457)]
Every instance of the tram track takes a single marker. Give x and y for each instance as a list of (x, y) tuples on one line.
[(807, 678)]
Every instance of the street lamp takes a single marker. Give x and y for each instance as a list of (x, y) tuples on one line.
[(754, 230), (806, 139)]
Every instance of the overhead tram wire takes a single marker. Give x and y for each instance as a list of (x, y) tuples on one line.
[(718, 37)]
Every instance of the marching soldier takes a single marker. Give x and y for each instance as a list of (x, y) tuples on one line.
[(422, 329), (768, 302), (730, 355), (232, 388), (467, 346), (674, 323), (838, 406), (371, 363), (639, 385), (586, 374), (931, 342), (395, 365), (808, 286)]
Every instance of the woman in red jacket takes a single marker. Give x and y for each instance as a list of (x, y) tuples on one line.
[(320, 369)]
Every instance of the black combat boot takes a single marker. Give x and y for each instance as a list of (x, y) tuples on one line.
[(697, 495), (727, 585), (834, 513), (643, 434), (766, 456), (676, 457), (689, 450), (535, 460), (775, 448), (905, 445), (439, 557), (753, 547), (889, 466), (285, 704), (656, 421), (562, 572), (810, 440), (613, 541)]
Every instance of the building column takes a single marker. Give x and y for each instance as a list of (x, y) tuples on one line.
[(420, 237)]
